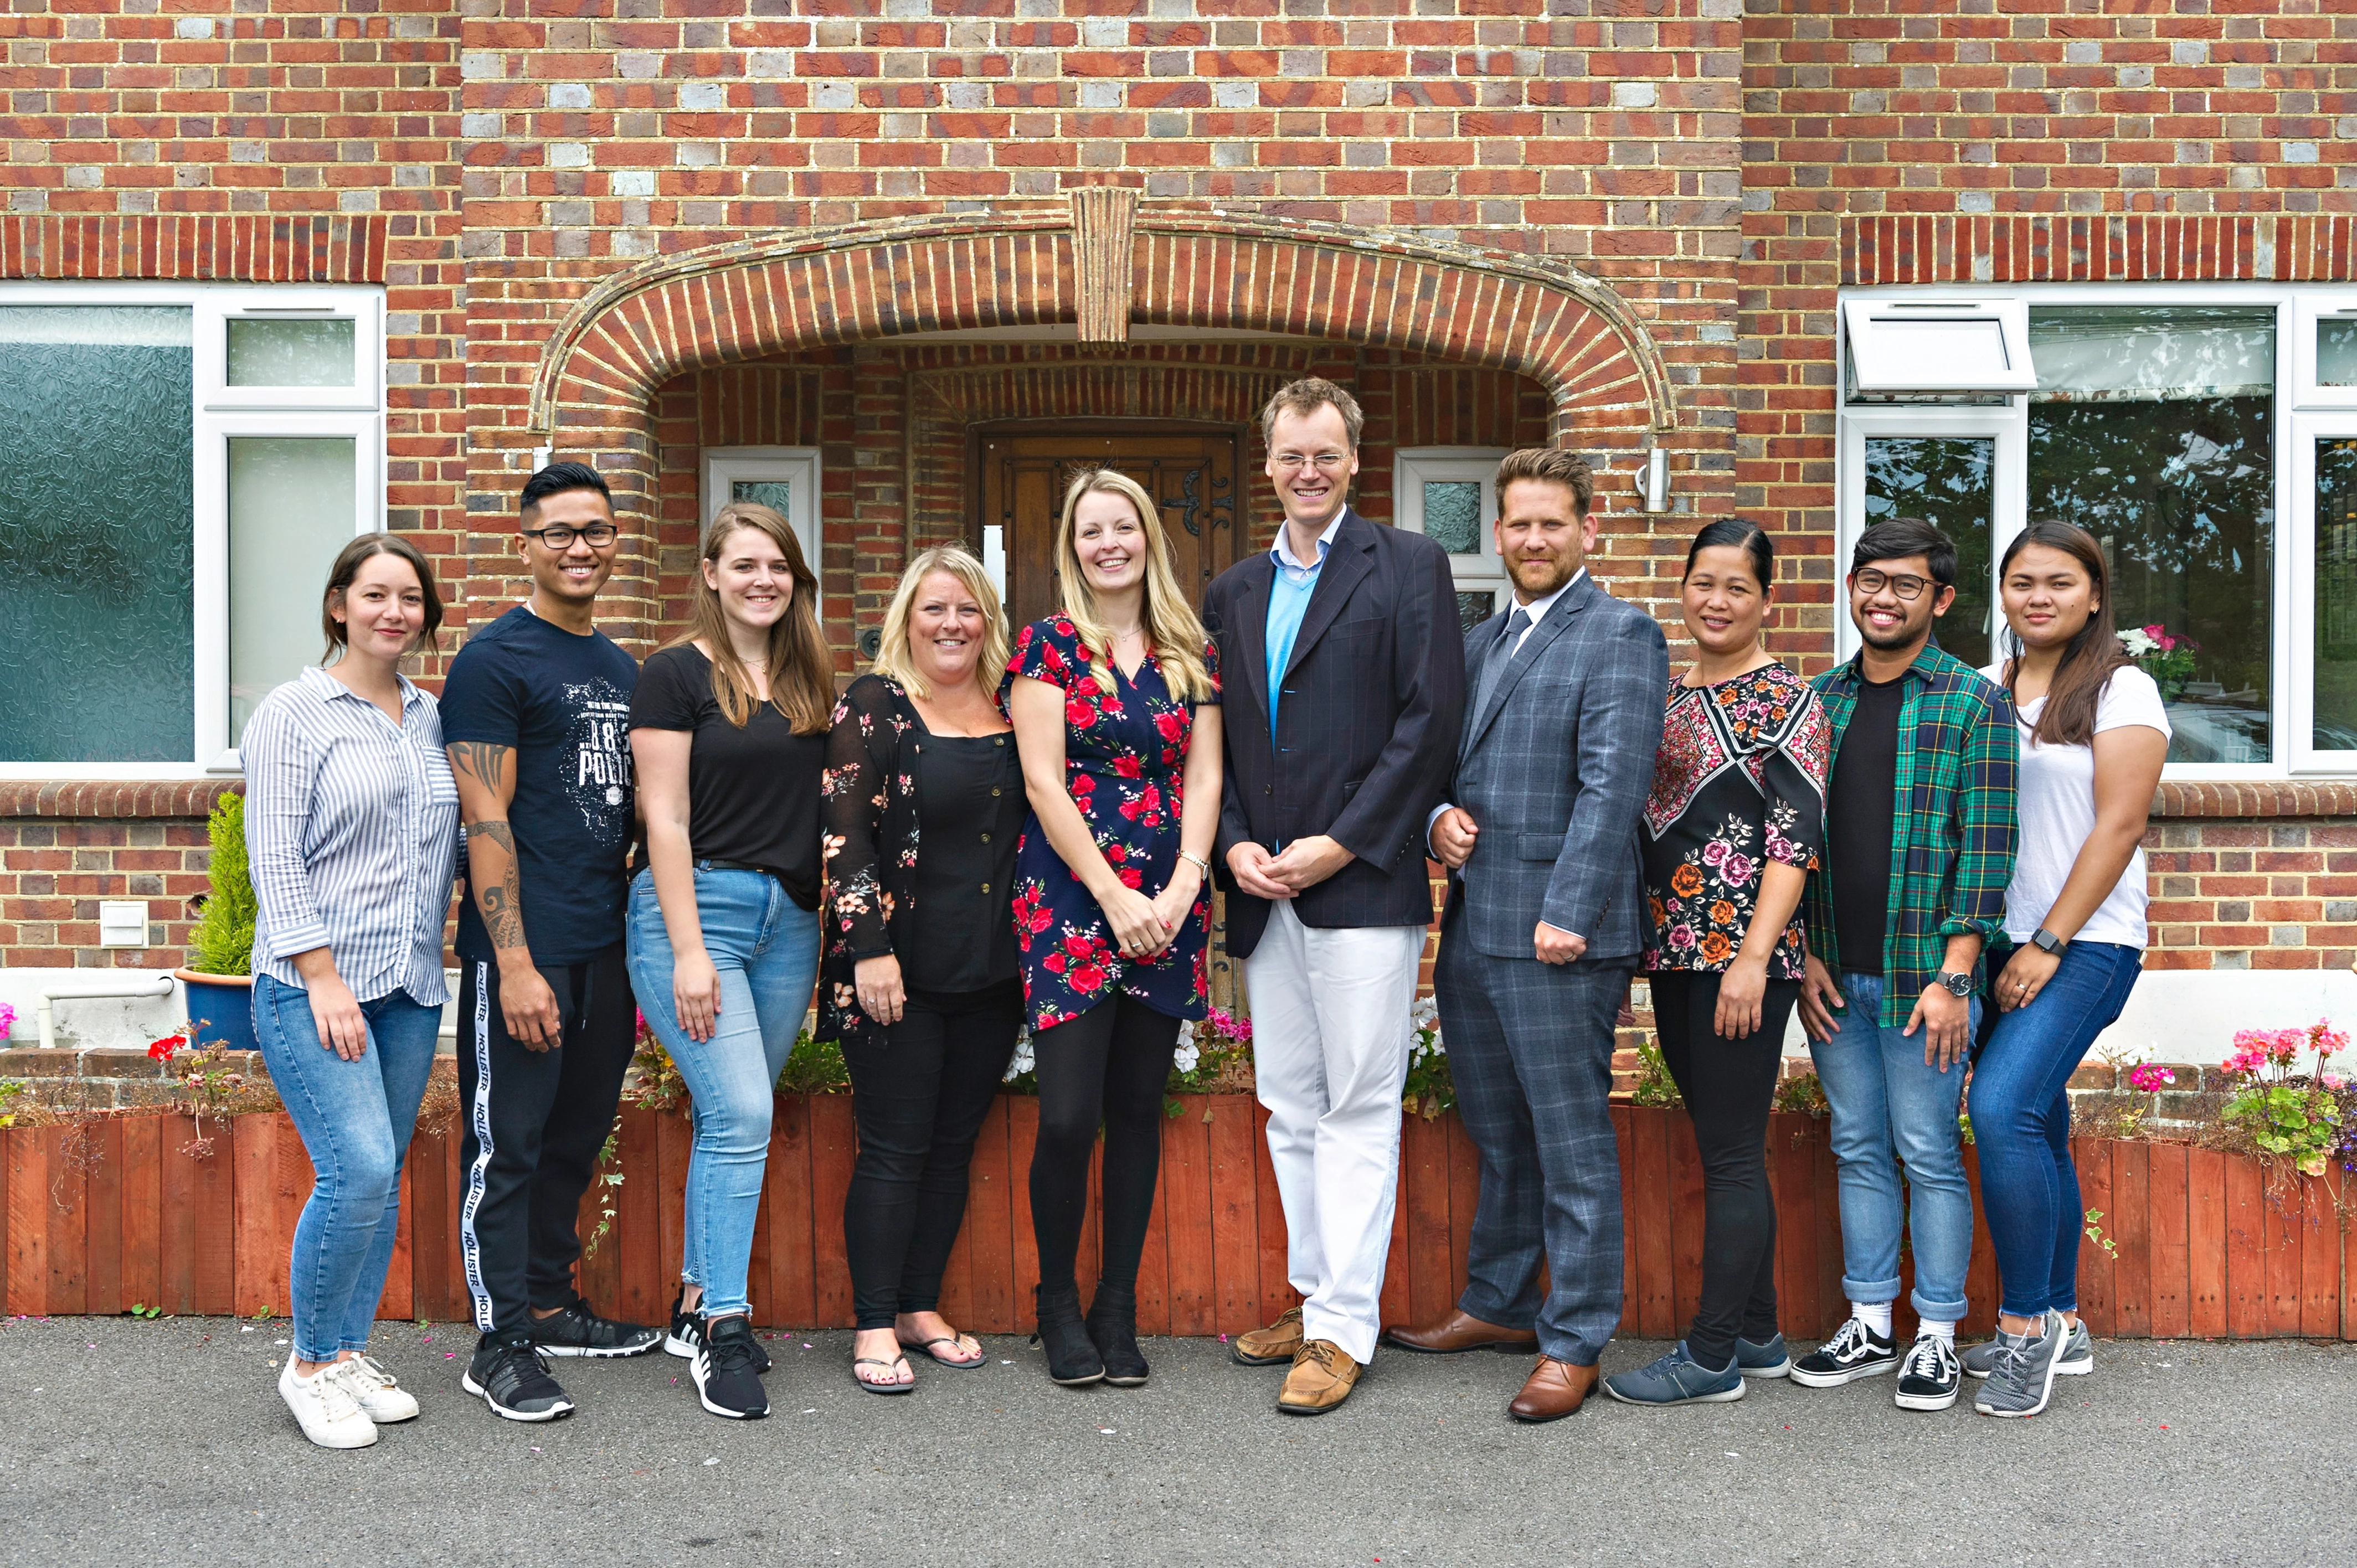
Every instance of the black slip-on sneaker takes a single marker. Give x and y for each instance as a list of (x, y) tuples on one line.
[(575, 1330), (508, 1376), (727, 1380)]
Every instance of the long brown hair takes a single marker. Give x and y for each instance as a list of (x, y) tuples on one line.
[(347, 570), (2069, 716), (801, 671)]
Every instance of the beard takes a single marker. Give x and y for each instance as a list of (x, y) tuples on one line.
[(1541, 576), (1905, 632)]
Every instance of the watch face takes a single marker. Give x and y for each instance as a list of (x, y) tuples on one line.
[(1958, 984)]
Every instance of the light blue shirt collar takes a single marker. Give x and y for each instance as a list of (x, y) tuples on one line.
[(1284, 556)]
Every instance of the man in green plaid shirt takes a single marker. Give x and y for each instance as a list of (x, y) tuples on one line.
[(1924, 743)]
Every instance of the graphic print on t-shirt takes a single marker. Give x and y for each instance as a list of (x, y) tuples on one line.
[(600, 785)]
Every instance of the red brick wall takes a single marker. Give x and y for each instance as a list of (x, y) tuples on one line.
[(2106, 139)]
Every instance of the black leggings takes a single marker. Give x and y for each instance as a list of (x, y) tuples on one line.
[(1730, 1086), (918, 1095), (1110, 1065)]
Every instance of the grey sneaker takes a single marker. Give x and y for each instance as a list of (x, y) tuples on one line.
[(1676, 1380), (1769, 1360), (2021, 1374), (2078, 1358)]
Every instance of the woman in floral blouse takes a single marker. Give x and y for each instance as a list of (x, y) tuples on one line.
[(1116, 703), (1735, 819)]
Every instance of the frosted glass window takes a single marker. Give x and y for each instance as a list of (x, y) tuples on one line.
[(1452, 515), (2336, 353), (299, 351), (777, 495), (292, 499), (1472, 609), (97, 533)]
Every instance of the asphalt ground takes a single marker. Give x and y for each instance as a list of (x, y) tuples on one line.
[(165, 1443)]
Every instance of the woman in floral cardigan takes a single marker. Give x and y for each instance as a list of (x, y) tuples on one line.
[(920, 981)]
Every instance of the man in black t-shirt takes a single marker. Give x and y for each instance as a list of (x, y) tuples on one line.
[(535, 712)]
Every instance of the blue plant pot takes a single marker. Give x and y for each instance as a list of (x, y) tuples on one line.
[(224, 1003)]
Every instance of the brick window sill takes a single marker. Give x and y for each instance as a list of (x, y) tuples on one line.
[(2257, 797), (114, 797)]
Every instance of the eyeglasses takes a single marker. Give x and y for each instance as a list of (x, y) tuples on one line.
[(1324, 462), (1908, 586), (559, 536)]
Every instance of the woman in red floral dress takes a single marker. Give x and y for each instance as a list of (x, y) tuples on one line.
[(1115, 704), (1735, 819)]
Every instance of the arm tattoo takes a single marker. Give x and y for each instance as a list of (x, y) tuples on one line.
[(495, 832), (481, 759), (499, 900)]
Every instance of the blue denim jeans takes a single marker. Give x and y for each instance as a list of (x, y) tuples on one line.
[(766, 948), (2021, 1124), (1890, 1109), (355, 1119)]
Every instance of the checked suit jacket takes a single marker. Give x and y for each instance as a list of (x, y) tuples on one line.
[(1555, 767)]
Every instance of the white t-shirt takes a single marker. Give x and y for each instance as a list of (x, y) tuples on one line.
[(2057, 816)]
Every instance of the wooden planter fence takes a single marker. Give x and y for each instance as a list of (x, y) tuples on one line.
[(118, 1212)]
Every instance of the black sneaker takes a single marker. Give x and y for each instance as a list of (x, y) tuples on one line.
[(576, 1331), (1855, 1351), (508, 1376), (688, 1328), (726, 1380), (1932, 1375)]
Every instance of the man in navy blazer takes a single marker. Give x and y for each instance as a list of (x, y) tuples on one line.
[(1345, 689), (1545, 922)]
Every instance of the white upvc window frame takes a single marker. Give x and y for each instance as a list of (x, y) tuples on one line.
[(2298, 307), (2309, 428), (220, 412), (1891, 367), (797, 466), (1412, 467)]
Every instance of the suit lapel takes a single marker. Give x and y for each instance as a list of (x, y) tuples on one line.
[(1558, 620), (1251, 611), (1346, 561)]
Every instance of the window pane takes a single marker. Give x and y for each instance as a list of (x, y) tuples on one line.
[(2336, 594), (2152, 429), (777, 495), (2336, 353), (303, 351), (1948, 481), (291, 504), (1472, 609), (97, 534), (1452, 515)]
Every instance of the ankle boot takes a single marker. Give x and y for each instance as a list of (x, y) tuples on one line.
[(1113, 1327), (1072, 1360)]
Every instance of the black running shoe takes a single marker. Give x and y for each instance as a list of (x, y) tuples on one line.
[(577, 1331), (687, 1330), (1855, 1351), (508, 1376), (727, 1381)]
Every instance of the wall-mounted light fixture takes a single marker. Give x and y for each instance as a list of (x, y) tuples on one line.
[(1651, 481)]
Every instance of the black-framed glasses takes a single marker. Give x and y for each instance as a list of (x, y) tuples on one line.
[(560, 536), (1907, 585)]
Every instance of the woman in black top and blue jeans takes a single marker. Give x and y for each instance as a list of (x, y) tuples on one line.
[(729, 732), (920, 983)]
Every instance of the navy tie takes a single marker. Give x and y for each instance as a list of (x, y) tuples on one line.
[(1502, 653)]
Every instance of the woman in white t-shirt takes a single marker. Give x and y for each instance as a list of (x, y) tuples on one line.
[(2093, 736)]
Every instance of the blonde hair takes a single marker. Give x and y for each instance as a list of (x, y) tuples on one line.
[(893, 659), (1172, 631), (800, 669)]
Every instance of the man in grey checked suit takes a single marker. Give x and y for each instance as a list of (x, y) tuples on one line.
[(1544, 924)]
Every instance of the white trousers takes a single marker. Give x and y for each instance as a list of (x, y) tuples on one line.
[(1330, 1034)]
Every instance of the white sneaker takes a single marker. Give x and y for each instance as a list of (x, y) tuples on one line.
[(330, 1416), (381, 1398)]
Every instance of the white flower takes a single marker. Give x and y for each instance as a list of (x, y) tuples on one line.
[(1187, 1057), (1023, 1061), (2137, 642)]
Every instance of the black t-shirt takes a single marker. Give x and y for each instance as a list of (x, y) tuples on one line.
[(752, 793), (560, 701), (1858, 823)]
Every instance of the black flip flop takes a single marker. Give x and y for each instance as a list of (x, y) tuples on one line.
[(982, 1355), (859, 1361)]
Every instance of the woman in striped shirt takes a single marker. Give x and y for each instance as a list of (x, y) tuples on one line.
[(352, 827)]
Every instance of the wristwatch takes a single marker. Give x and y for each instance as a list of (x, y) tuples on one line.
[(1956, 985), (2046, 942)]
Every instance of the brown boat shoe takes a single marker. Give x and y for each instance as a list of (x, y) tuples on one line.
[(1322, 1376), (1275, 1346)]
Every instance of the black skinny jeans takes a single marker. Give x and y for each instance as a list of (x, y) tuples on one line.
[(1108, 1066), (1730, 1086), (919, 1095)]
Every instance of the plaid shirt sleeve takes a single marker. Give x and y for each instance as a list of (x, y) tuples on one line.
[(1986, 806)]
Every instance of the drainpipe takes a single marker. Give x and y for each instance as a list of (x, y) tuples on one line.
[(88, 989)]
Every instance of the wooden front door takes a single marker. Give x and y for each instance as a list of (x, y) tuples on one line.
[(1024, 471)]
